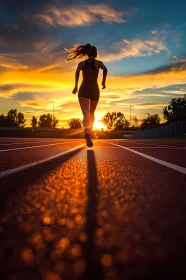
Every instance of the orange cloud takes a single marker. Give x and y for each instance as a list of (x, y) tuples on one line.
[(106, 13), (10, 88), (26, 103), (149, 105), (76, 15), (133, 48), (167, 75), (42, 20), (122, 85), (58, 86), (11, 63)]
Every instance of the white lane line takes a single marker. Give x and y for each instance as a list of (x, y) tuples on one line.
[(162, 162), (158, 145), (135, 147), (151, 146), (166, 148), (17, 169), (19, 143), (162, 145), (32, 147)]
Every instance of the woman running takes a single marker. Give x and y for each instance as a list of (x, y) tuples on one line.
[(88, 93)]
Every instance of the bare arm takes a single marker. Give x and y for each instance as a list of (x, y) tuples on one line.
[(76, 78), (105, 71), (79, 68)]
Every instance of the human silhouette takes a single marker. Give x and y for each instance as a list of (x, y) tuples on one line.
[(89, 93)]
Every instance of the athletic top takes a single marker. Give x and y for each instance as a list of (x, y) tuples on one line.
[(90, 73)]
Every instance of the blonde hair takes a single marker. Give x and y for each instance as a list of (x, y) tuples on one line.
[(81, 51)]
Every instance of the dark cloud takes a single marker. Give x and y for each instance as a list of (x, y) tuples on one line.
[(9, 88), (29, 112), (68, 104), (33, 104), (6, 88), (16, 34), (24, 22), (114, 96), (172, 90), (21, 96), (20, 32), (15, 7), (150, 104), (176, 66), (32, 45), (126, 100)]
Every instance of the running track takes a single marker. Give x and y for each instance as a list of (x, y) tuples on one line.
[(114, 211)]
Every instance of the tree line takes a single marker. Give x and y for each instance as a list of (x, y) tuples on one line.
[(16, 119), (113, 121), (174, 112)]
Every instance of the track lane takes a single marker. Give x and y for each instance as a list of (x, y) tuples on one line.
[(165, 143), (175, 156), (19, 144), (154, 159), (39, 162), (16, 158), (4, 140), (156, 143), (111, 204), (171, 154), (41, 145)]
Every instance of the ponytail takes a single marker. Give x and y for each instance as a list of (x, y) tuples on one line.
[(79, 51)]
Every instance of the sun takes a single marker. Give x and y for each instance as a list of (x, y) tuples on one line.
[(98, 125)]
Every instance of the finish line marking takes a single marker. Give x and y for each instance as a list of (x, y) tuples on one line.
[(162, 162)]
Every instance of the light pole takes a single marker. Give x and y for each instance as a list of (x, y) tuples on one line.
[(53, 109), (130, 113)]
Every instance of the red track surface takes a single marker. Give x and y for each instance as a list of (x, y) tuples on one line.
[(99, 213)]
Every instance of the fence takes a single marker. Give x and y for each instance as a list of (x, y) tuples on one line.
[(173, 130), (60, 133), (40, 132)]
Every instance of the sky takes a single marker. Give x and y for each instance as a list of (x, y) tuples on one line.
[(142, 44)]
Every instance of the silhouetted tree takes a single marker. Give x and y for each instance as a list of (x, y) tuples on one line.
[(115, 121), (13, 118), (75, 123), (54, 122), (5, 122), (34, 122), (20, 119), (12, 115), (47, 121), (135, 121), (175, 111), (150, 122)]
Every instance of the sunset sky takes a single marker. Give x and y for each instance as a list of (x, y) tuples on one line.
[(142, 43)]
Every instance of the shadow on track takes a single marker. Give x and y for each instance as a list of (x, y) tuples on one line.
[(12, 183), (93, 268)]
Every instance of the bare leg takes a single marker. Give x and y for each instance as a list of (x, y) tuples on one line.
[(84, 104), (93, 105)]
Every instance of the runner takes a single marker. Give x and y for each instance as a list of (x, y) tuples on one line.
[(88, 93)]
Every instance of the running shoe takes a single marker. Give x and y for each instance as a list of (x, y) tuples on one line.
[(88, 138)]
